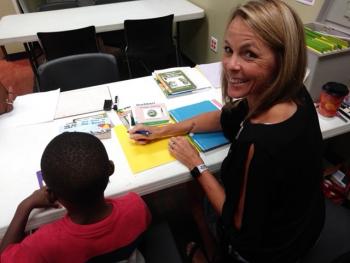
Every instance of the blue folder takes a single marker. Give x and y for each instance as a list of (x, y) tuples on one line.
[(204, 141)]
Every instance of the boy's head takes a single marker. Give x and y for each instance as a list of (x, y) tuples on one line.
[(75, 166)]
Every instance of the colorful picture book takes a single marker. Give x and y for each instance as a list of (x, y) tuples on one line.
[(150, 114), (98, 125), (203, 141)]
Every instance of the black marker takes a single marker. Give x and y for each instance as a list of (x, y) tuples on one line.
[(115, 105)]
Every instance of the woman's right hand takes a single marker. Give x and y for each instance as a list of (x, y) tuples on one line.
[(143, 134)]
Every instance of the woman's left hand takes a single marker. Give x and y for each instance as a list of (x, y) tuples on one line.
[(183, 151)]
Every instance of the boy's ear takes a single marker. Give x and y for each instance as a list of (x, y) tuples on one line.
[(52, 196), (110, 168)]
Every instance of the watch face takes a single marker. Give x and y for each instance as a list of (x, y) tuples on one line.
[(195, 172), (202, 167)]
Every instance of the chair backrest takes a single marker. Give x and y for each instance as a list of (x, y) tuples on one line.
[(78, 71), (147, 35), (121, 255), (58, 5), (71, 42), (150, 45), (335, 236)]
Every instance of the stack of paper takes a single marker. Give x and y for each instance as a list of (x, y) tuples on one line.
[(212, 71), (203, 141), (181, 80)]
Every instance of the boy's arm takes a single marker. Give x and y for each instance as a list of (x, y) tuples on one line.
[(15, 232)]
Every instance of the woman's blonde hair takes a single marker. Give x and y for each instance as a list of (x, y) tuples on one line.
[(282, 30)]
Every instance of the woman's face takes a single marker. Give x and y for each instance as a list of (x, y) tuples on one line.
[(248, 63)]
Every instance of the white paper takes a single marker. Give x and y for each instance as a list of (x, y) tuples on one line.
[(31, 109), (212, 72), (80, 101)]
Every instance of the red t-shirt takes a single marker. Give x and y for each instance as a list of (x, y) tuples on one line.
[(65, 241)]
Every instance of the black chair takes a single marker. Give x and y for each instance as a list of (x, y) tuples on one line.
[(58, 5), (120, 255), (335, 236), (159, 246), (78, 71), (150, 44), (70, 42), (112, 42)]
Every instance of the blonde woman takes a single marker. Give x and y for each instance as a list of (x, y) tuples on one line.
[(269, 205)]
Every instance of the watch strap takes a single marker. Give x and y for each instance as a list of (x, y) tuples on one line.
[(198, 170)]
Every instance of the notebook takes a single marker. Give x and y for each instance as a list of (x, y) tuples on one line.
[(204, 141)]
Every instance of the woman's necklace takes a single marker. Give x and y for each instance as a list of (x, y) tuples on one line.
[(240, 129)]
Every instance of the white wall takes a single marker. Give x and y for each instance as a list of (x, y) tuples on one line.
[(195, 34)]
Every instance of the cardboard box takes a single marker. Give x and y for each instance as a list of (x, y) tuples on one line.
[(333, 19)]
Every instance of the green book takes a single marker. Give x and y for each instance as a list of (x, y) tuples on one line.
[(176, 81)]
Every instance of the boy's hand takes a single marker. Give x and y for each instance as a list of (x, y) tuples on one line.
[(40, 199)]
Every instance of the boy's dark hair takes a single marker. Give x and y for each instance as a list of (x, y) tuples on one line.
[(75, 166)]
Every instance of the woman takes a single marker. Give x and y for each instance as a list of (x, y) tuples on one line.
[(269, 204)]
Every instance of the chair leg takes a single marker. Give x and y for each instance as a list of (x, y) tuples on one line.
[(128, 64), (148, 71), (177, 57)]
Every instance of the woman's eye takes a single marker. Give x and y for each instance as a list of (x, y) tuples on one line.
[(227, 50), (249, 54)]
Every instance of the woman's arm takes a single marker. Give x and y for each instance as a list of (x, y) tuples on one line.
[(201, 123), (184, 152)]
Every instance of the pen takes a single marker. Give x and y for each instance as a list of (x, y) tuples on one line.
[(132, 120), (40, 178), (344, 113), (341, 117), (143, 132)]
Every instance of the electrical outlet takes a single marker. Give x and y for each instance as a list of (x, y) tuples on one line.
[(214, 44)]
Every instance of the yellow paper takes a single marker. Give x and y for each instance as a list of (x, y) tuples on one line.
[(143, 157)]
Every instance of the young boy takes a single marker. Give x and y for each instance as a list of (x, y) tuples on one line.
[(76, 168)]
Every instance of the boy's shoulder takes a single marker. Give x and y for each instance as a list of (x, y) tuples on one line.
[(128, 197), (131, 204)]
